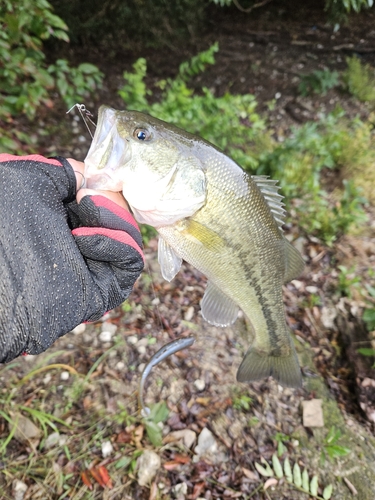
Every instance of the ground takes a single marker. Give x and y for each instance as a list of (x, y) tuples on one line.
[(88, 393)]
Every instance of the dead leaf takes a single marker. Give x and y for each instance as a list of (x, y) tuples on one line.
[(25, 430), (270, 482), (250, 474)]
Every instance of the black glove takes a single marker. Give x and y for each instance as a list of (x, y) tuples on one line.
[(61, 263)]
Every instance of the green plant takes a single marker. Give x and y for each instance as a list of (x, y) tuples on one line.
[(298, 479), (348, 280), (230, 122), (158, 413), (318, 82), (359, 80), (26, 79), (242, 402), (280, 439), (338, 10), (330, 446)]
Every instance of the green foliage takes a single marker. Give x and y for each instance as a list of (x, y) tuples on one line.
[(331, 448), (158, 413), (369, 318), (26, 80), (359, 80), (242, 402), (296, 477), (230, 122), (298, 163), (280, 439), (347, 281), (338, 10), (147, 232), (318, 82)]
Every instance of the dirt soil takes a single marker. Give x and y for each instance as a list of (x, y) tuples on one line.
[(264, 54)]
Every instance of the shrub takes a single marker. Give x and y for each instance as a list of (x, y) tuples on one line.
[(232, 123), (359, 79), (26, 80)]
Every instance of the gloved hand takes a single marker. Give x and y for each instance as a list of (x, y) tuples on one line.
[(61, 263)]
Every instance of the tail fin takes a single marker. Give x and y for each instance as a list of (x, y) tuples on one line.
[(284, 369)]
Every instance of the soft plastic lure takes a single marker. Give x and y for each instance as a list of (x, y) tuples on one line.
[(158, 357)]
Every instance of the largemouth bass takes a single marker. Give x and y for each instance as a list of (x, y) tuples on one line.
[(212, 214)]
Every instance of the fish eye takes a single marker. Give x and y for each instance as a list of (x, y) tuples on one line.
[(142, 134)]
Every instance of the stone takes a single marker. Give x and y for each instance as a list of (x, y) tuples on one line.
[(312, 413), (148, 465), (107, 449)]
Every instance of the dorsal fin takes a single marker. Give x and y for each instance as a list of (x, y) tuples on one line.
[(270, 190)]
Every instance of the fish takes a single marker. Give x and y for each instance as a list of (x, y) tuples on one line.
[(211, 213), (163, 353)]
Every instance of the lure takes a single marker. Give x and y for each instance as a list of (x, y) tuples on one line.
[(158, 357)]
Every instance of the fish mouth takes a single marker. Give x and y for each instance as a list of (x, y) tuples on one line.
[(107, 153)]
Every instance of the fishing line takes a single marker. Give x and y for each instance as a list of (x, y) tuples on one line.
[(86, 116)]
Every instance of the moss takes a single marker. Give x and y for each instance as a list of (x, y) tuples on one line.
[(358, 466)]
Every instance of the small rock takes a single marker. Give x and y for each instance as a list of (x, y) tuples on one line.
[(206, 443), (120, 366), (107, 449), (79, 329), (180, 489), (199, 384), (187, 436), (109, 327), (141, 367), (25, 430), (132, 339), (64, 376), (188, 316), (19, 489), (312, 413), (312, 289), (148, 465), (142, 349), (328, 316), (47, 379), (52, 440), (298, 284), (105, 336)]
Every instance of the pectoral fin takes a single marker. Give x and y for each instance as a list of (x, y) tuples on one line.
[(294, 263), (217, 308), (170, 262)]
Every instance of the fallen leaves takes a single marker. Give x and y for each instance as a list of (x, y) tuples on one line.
[(100, 474)]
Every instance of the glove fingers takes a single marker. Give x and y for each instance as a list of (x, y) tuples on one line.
[(99, 211), (110, 251)]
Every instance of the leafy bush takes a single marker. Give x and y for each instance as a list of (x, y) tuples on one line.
[(339, 9), (26, 80), (318, 82), (231, 123), (359, 79)]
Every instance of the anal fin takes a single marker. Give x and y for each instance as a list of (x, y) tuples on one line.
[(217, 308)]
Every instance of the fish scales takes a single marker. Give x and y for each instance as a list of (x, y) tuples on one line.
[(209, 212)]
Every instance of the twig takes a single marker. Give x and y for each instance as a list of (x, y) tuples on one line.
[(255, 6), (350, 486)]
